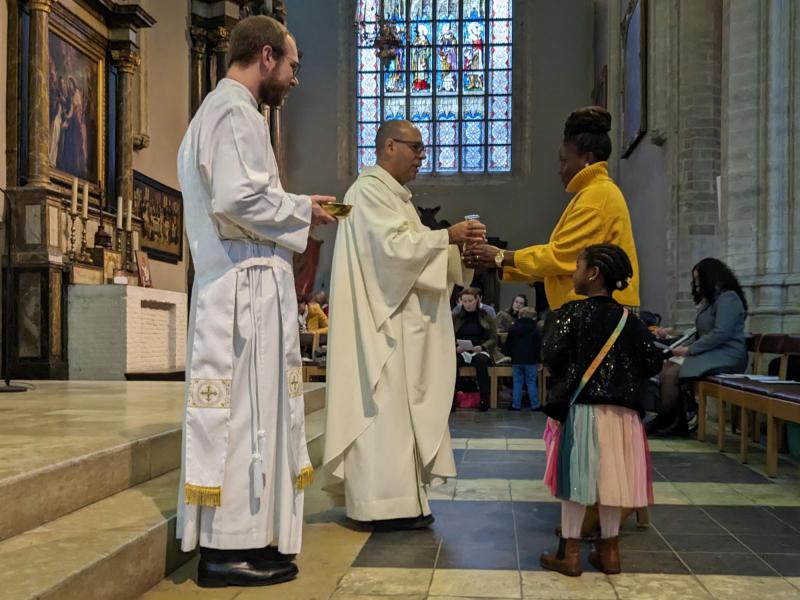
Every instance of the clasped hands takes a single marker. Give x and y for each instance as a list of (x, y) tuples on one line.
[(470, 236)]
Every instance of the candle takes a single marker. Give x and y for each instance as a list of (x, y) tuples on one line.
[(130, 215), (73, 207), (85, 200), (119, 212)]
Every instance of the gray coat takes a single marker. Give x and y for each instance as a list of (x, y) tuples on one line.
[(720, 345)]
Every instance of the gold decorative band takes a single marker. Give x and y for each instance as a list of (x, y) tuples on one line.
[(305, 479), (202, 496)]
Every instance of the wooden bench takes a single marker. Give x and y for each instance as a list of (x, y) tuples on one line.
[(498, 371), (777, 402)]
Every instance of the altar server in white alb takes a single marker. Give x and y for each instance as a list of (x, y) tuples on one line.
[(391, 360), (244, 452)]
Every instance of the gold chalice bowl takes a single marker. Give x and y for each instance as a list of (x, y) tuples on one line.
[(339, 210)]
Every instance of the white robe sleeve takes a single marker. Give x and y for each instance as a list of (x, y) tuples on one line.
[(235, 161), (397, 257)]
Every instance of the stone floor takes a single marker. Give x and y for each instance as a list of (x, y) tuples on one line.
[(719, 530)]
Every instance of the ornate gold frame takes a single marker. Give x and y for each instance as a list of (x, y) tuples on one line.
[(78, 35)]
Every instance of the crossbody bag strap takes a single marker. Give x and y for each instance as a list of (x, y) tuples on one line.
[(600, 356)]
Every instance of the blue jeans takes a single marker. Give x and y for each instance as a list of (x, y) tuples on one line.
[(525, 374)]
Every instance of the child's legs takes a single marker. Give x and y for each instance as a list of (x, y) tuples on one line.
[(518, 372), (610, 517), (572, 515), (531, 373)]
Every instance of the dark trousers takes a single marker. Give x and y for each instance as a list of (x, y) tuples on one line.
[(481, 362)]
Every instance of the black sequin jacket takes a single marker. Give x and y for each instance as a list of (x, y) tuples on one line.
[(574, 334)]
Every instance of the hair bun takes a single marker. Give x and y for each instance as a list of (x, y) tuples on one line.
[(590, 119)]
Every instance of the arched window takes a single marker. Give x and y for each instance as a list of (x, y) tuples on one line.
[(451, 76)]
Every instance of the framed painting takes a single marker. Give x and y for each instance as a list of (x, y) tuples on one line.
[(161, 210), (634, 75), (76, 83)]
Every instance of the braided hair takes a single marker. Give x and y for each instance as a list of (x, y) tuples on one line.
[(587, 130), (613, 264)]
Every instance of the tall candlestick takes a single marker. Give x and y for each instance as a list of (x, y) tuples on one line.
[(85, 212), (73, 206), (119, 212), (128, 226)]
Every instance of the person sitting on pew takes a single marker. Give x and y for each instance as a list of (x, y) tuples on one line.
[(476, 339), (312, 318), (506, 318), (321, 298), (488, 308), (719, 347)]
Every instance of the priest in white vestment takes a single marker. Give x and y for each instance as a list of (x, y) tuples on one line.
[(391, 365), (244, 462)]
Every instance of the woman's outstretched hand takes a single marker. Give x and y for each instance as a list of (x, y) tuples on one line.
[(480, 256)]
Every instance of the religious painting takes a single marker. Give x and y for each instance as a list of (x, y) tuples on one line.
[(634, 75), (143, 265), (76, 104), (161, 210)]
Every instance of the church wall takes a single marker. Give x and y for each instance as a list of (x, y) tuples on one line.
[(553, 75), (3, 69), (165, 64), (670, 178)]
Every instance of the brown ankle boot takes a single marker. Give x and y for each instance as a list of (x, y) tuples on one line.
[(605, 556), (567, 560)]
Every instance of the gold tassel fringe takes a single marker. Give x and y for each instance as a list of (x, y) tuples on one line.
[(202, 496), (305, 479)]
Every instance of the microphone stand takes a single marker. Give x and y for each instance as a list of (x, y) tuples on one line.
[(7, 303)]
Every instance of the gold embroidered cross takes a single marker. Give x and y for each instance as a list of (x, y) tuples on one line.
[(209, 393)]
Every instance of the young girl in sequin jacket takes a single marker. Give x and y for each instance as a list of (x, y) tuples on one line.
[(600, 454)]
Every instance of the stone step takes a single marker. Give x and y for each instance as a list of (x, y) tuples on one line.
[(116, 548), (90, 470)]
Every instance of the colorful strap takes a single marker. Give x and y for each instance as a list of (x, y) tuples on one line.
[(600, 356)]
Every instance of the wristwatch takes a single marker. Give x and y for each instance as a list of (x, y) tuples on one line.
[(498, 258)]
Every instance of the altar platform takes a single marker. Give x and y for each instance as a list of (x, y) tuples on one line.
[(88, 484)]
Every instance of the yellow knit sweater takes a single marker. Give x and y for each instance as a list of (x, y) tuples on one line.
[(597, 214)]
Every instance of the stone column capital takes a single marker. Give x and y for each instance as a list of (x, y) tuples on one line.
[(41, 5), (199, 37), (126, 60), (220, 37)]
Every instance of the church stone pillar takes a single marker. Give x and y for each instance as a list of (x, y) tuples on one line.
[(126, 59), (39, 94), (199, 37), (221, 47)]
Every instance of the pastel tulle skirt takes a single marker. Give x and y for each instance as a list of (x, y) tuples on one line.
[(599, 455)]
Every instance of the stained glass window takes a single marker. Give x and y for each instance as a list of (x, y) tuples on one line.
[(451, 76)]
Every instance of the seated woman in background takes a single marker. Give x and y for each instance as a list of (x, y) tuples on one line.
[(473, 324), (506, 318), (312, 318), (719, 346)]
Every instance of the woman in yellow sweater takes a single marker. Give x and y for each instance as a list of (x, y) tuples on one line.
[(597, 214)]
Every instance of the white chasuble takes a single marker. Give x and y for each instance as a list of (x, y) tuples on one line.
[(391, 360), (244, 460)]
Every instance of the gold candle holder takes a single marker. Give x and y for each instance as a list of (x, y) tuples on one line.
[(84, 255), (73, 256), (129, 251)]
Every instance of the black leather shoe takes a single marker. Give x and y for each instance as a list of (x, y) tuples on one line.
[(420, 522), (271, 553), (223, 568)]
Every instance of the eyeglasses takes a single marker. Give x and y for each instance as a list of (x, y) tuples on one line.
[(416, 147), (295, 67)]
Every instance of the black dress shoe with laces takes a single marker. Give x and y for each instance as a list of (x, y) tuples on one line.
[(271, 553), (222, 568)]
